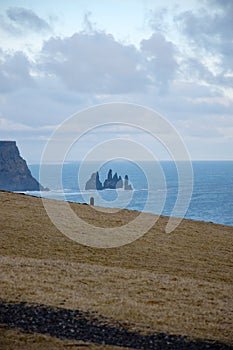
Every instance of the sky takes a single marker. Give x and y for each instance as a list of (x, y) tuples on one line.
[(58, 58)]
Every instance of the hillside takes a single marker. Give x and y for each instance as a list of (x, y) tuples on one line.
[(178, 283)]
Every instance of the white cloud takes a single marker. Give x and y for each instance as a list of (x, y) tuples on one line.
[(185, 79), (94, 63)]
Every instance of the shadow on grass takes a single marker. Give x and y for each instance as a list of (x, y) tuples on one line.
[(86, 326)]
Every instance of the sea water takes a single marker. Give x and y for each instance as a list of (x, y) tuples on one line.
[(155, 187)]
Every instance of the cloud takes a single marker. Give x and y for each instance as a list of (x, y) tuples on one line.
[(94, 62), (91, 66), (209, 26), (8, 27), (193, 100), (216, 127), (8, 125), (161, 61), (209, 31), (14, 71), (157, 19), (25, 18), (19, 21)]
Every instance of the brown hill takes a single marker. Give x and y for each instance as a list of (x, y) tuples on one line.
[(178, 283)]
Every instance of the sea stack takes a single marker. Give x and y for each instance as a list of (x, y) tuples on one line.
[(14, 172), (94, 182), (127, 186), (111, 182)]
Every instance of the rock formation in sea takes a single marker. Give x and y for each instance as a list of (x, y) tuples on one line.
[(111, 182), (14, 172), (127, 186), (94, 182)]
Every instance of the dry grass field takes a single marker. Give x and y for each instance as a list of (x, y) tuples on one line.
[(178, 283)]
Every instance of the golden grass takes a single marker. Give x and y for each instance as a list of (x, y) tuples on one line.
[(180, 283)]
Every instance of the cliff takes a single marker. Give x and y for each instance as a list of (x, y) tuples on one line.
[(14, 172)]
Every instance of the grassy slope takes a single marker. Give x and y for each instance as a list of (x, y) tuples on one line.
[(179, 283)]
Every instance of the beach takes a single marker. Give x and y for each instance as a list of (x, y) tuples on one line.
[(179, 284)]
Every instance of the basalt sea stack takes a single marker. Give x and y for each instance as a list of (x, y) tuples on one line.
[(111, 182), (14, 172)]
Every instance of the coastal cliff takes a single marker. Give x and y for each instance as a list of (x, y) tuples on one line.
[(14, 172)]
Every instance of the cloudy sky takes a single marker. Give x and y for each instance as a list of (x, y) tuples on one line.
[(60, 57)]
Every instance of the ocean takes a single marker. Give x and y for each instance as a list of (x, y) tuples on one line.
[(155, 187)]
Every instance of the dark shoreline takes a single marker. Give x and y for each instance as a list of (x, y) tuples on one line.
[(89, 327)]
